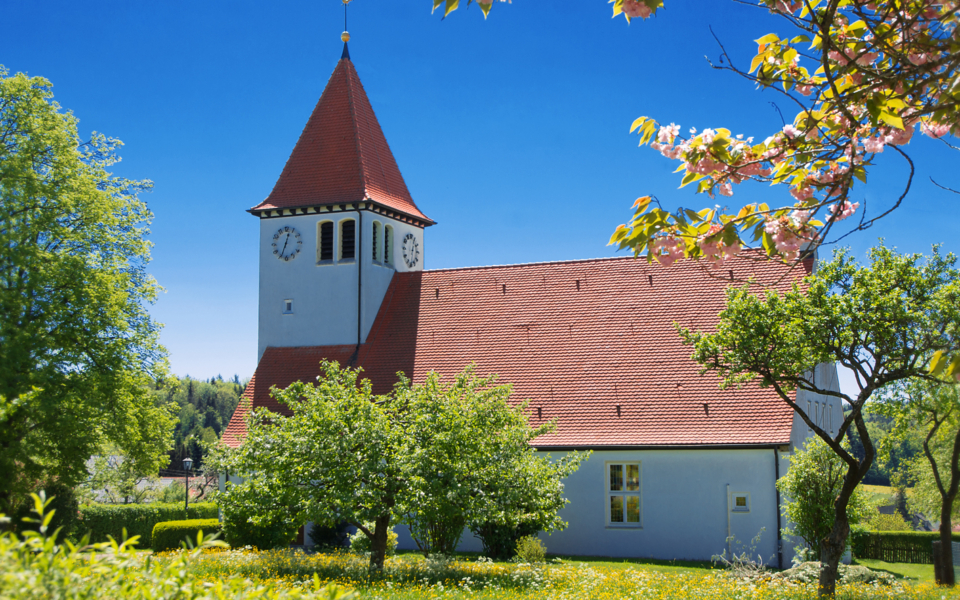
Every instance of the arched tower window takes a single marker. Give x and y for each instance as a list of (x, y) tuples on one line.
[(325, 241), (388, 245), (348, 234), (376, 241)]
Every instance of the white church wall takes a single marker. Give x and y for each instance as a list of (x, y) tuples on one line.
[(323, 295), (684, 506)]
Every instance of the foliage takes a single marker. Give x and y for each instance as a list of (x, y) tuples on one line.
[(429, 453), (262, 523), (500, 541), (471, 463), (894, 451), (40, 565), (930, 408), (360, 542), (807, 573), (205, 408), (412, 577), (61, 501), (881, 321), (878, 521), (104, 521), (810, 488), (172, 535), (115, 480), (332, 537), (531, 550), (78, 350)]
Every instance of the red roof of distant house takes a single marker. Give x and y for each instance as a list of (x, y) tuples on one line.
[(577, 339), (342, 155)]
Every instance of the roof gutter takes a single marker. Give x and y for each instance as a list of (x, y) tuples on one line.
[(598, 448)]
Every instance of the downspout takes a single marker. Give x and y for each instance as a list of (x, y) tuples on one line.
[(359, 275), (776, 470), (729, 548)]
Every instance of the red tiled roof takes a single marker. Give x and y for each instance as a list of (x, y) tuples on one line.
[(342, 155), (577, 339)]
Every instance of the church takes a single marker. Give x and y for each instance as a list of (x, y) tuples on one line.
[(678, 465)]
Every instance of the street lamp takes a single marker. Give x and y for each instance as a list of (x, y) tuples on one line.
[(187, 465)]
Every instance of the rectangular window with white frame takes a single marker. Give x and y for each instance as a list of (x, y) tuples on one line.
[(623, 494), (741, 502)]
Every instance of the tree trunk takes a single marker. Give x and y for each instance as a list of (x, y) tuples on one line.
[(945, 570), (378, 545), (831, 551)]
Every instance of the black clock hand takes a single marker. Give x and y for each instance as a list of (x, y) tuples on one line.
[(285, 240)]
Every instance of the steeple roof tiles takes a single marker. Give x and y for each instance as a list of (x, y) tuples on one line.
[(342, 155), (576, 354)]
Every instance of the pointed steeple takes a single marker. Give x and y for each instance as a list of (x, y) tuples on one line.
[(342, 155)]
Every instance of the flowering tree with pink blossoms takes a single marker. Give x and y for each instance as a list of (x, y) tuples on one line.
[(864, 76)]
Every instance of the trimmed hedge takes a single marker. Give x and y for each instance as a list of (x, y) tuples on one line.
[(169, 534), (896, 546), (103, 520)]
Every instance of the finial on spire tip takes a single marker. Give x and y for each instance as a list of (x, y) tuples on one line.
[(345, 36)]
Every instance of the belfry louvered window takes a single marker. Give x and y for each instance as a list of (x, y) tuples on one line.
[(376, 241), (388, 245), (348, 230), (325, 241)]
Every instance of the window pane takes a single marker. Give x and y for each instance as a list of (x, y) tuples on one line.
[(633, 509), (326, 241), (616, 477), (616, 509), (742, 501), (633, 478), (347, 234)]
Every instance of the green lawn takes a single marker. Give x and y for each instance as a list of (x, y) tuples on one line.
[(908, 571)]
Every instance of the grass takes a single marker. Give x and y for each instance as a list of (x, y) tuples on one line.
[(409, 576), (908, 571)]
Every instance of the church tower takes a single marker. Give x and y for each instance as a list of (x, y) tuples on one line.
[(336, 227)]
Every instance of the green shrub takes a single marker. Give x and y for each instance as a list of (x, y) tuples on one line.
[(500, 541), (882, 522), (531, 550), (360, 543), (243, 527), (329, 538), (905, 546), (62, 502), (169, 535), (104, 521), (34, 566)]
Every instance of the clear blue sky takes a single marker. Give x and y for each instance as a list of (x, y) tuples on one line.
[(512, 133)]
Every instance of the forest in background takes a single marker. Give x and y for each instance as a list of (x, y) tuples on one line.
[(205, 408)]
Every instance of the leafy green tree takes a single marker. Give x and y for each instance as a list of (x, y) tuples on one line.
[(433, 456), (115, 480), (205, 410), (810, 487), (881, 321), (933, 407), (78, 350)]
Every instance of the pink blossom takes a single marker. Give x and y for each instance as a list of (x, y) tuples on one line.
[(791, 131), (934, 130), (806, 90), (726, 189), (707, 136), (842, 210), (668, 133), (873, 145), (801, 193), (898, 137), (917, 59), (634, 9)]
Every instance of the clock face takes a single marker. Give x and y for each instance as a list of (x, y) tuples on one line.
[(286, 243), (411, 250)]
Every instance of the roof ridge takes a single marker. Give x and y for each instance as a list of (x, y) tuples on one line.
[(546, 262), (356, 128)]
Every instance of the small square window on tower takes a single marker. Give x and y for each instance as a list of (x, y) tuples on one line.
[(741, 502), (288, 307)]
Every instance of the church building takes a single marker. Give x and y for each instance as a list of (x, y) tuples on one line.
[(678, 465)]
